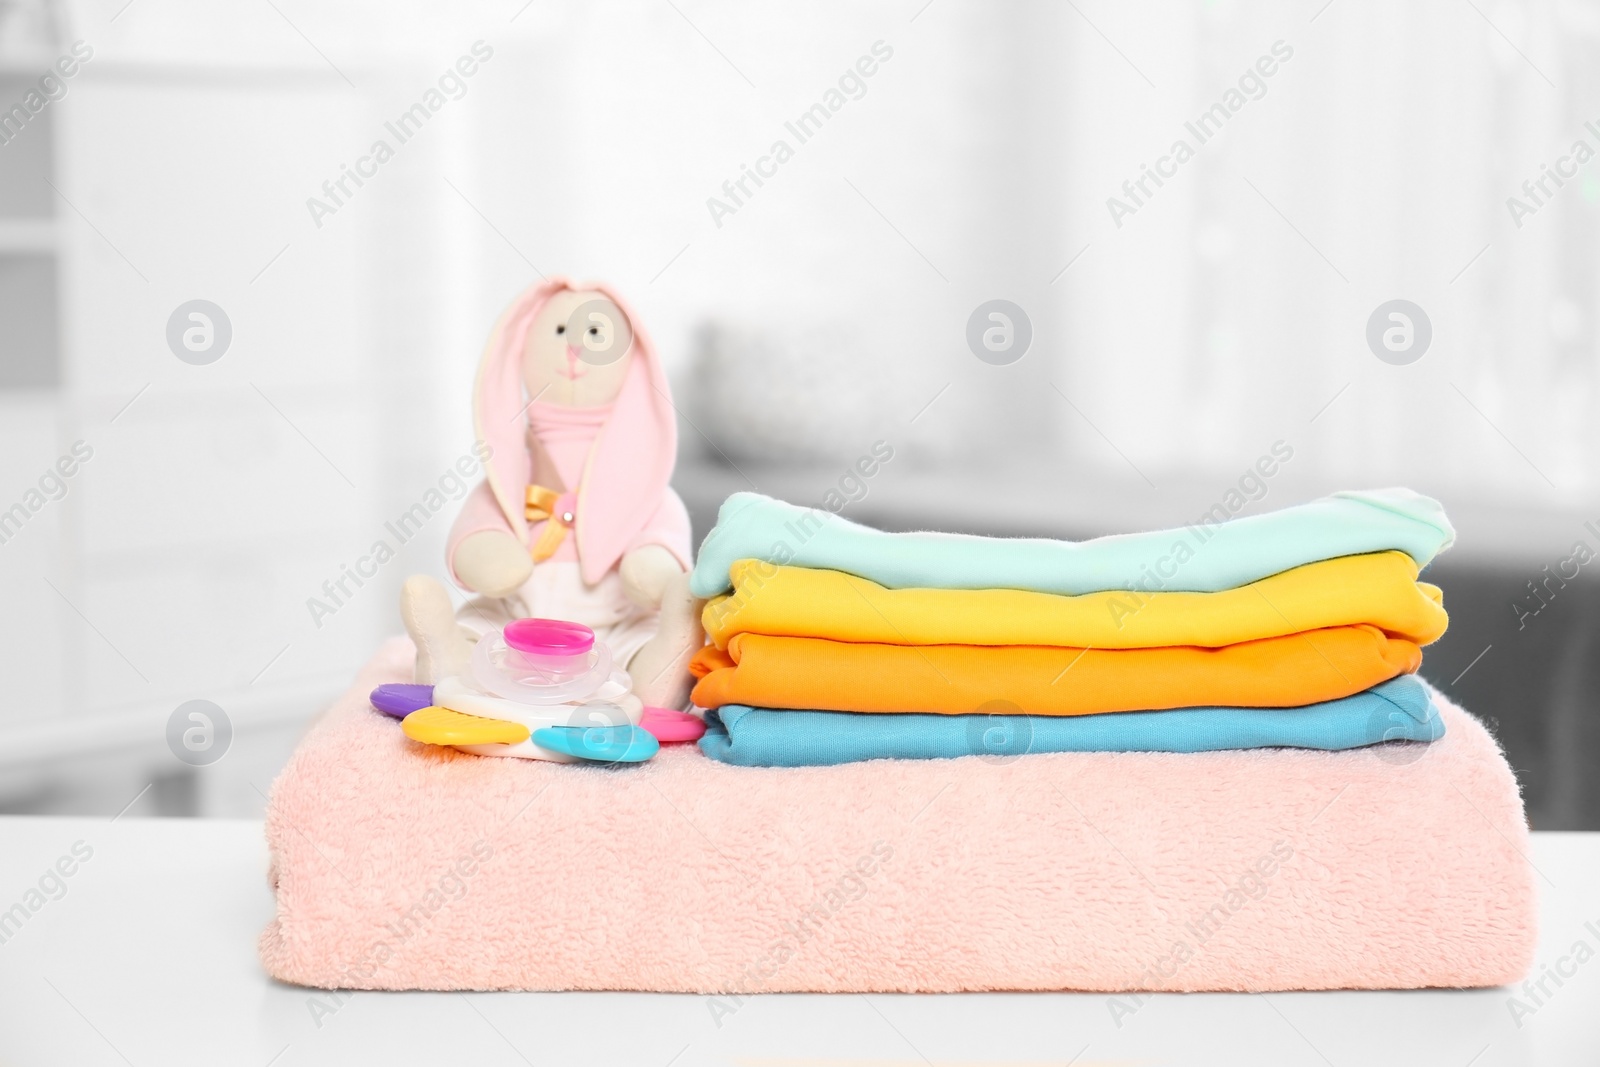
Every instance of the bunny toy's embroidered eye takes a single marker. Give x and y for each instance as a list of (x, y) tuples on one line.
[(562, 328)]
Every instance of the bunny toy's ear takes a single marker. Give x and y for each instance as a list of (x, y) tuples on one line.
[(630, 467), (499, 412)]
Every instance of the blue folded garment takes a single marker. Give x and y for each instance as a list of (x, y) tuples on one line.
[(1398, 710), (1206, 557)]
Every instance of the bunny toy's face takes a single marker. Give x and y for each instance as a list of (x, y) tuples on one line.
[(578, 350)]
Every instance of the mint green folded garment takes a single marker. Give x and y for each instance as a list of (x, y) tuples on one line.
[(1398, 710), (1203, 558)]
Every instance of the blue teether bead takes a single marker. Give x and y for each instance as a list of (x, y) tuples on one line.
[(602, 744)]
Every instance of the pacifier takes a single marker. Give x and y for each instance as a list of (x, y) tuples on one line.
[(542, 661), (538, 689)]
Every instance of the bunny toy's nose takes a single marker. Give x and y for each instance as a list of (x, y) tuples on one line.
[(572, 372)]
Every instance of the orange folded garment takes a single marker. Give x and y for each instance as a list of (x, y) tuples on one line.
[(1274, 672)]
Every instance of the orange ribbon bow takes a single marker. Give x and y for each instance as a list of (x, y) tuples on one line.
[(557, 511)]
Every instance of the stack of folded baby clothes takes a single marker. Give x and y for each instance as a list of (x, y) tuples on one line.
[(832, 642)]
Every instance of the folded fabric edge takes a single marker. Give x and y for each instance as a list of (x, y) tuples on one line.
[(1405, 503), (1410, 695), (704, 581), (1388, 500), (716, 606), (1402, 654)]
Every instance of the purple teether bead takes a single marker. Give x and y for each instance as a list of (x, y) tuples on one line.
[(401, 700)]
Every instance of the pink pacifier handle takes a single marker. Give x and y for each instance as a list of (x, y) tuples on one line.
[(549, 637)]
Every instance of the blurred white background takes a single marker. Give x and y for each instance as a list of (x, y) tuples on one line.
[(826, 312)]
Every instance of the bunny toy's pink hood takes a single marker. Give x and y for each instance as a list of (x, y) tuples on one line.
[(625, 481)]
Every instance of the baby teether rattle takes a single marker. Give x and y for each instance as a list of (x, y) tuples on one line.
[(538, 689)]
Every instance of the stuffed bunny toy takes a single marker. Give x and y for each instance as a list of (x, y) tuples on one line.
[(575, 519)]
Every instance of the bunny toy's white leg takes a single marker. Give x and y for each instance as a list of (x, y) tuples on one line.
[(660, 669), (442, 649)]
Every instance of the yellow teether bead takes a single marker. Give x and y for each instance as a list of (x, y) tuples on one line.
[(441, 726)]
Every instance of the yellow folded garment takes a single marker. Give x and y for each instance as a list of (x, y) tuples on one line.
[(1274, 672), (1379, 589)]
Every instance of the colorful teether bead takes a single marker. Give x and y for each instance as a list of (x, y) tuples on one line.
[(602, 744), (668, 725), (441, 726), (401, 700)]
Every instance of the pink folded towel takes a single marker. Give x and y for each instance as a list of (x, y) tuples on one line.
[(403, 867)]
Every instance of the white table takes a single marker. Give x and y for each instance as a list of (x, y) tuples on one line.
[(149, 958)]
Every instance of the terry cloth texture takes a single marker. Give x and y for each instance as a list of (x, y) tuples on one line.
[(1274, 672), (398, 866), (1397, 710), (1204, 558)]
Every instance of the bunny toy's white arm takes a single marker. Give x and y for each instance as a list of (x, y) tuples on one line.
[(492, 562), (646, 571)]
